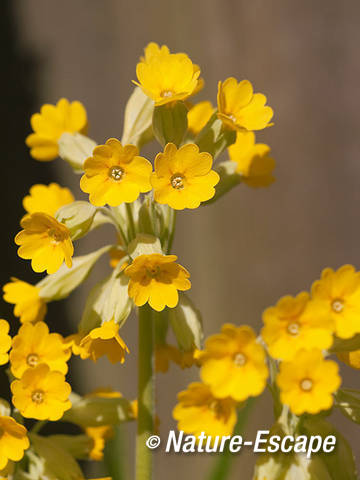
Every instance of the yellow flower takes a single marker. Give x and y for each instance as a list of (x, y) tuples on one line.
[(351, 358), (51, 123), (115, 174), (41, 394), (47, 198), (156, 279), (337, 295), (183, 178), (253, 161), (5, 341), (199, 411), (167, 77), (164, 354), (74, 343), (99, 435), (198, 116), (308, 382), (13, 441), (291, 326), (105, 340), (45, 241), (29, 306), (34, 345), (240, 108), (234, 364)]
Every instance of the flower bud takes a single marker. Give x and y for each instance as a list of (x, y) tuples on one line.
[(213, 138), (78, 217), (75, 149), (170, 123)]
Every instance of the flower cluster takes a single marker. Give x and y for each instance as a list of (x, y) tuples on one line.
[(139, 198)]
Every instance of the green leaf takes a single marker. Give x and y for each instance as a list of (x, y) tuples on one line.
[(170, 123), (348, 401), (65, 280)]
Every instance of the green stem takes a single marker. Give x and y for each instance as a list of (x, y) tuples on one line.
[(172, 230), (131, 221), (38, 426), (145, 423), (221, 469)]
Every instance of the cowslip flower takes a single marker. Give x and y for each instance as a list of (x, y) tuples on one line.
[(253, 161), (199, 411), (13, 441), (351, 358), (198, 116), (115, 174), (164, 355), (240, 108), (183, 177), (98, 435), (45, 241), (51, 123), (233, 363), (5, 341), (73, 342), (41, 394), (291, 326), (29, 306), (337, 295), (105, 340), (156, 279), (308, 382), (167, 77), (47, 198), (34, 345)]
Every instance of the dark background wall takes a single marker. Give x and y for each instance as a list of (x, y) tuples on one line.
[(254, 245)]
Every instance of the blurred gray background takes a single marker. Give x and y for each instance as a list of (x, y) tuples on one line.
[(251, 247)]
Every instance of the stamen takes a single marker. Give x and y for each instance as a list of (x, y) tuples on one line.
[(306, 384), (37, 396), (239, 359), (293, 328), (177, 181), (337, 305), (116, 173), (153, 271), (167, 94), (32, 360)]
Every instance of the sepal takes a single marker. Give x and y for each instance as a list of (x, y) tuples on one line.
[(75, 149), (186, 322)]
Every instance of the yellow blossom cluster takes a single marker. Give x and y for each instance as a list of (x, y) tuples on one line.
[(299, 332)]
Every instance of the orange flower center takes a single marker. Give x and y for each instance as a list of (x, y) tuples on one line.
[(293, 328), (306, 384), (239, 359), (116, 173), (37, 396), (337, 305), (177, 181), (32, 360)]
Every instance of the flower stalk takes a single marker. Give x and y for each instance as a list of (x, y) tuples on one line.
[(145, 424)]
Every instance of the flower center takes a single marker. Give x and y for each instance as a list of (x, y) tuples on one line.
[(167, 94), (293, 328), (153, 271), (337, 305), (56, 235), (232, 117), (177, 181), (116, 173), (239, 359), (306, 384), (37, 396), (32, 360)]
